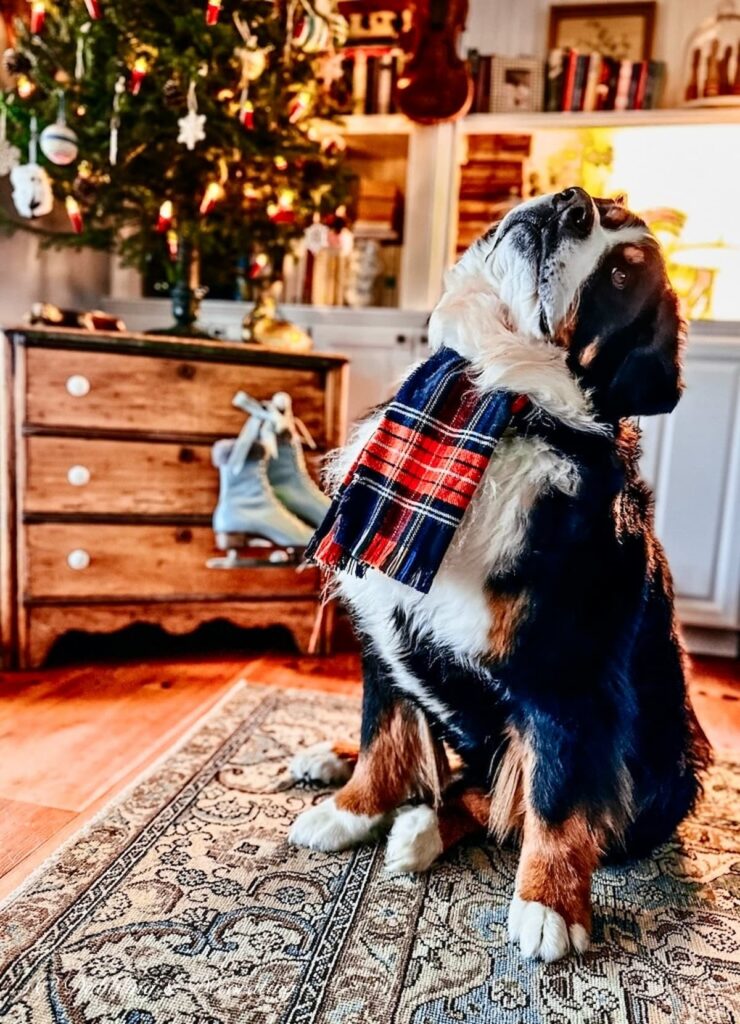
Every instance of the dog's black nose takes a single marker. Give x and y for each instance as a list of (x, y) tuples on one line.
[(575, 210)]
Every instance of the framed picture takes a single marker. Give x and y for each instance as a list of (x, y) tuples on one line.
[(623, 31), (517, 84)]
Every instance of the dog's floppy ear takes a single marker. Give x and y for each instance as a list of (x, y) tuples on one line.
[(649, 380)]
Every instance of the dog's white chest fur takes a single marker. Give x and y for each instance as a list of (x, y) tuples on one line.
[(456, 612)]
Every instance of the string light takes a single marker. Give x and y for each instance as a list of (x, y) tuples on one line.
[(164, 220), (213, 194), (281, 164), (173, 244), (24, 87), (38, 16), (74, 213)]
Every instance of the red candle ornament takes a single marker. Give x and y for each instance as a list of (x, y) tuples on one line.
[(173, 244), (258, 264), (74, 213), (213, 9), (246, 114), (299, 106), (282, 211), (38, 16), (138, 73), (94, 9), (164, 220), (213, 193)]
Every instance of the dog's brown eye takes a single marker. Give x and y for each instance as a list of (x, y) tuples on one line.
[(619, 277)]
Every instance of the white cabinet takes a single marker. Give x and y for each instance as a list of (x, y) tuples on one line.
[(379, 359), (692, 460)]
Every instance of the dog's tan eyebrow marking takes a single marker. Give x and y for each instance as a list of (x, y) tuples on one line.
[(587, 355), (633, 254)]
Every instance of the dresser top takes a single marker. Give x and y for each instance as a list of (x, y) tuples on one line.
[(163, 346)]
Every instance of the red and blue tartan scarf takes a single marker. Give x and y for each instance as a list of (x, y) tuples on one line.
[(401, 502)]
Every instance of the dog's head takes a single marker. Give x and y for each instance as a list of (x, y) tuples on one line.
[(586, 274)]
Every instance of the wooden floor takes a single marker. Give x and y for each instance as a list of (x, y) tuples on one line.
[(72, 738)]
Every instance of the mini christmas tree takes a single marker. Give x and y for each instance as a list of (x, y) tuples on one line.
[(184, 128)]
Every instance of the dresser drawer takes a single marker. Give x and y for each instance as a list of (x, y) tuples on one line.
[(83, 476), (143, 562), (107, 391)]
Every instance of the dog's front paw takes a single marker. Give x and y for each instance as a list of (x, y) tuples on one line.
[(319, 763), (327, 827), (414, 842), (542, 933)]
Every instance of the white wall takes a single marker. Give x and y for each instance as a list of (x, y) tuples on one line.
[(69, 279), (518, 27)]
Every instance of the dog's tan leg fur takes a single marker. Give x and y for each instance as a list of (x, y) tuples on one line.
[(402, 761), (556, 865)]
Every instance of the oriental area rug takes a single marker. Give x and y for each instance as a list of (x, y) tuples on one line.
[(182, 903)]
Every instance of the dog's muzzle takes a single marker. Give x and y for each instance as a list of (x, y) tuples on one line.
[(574, 211)]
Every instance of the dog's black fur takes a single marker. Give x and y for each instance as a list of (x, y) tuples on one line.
[(594, 678)]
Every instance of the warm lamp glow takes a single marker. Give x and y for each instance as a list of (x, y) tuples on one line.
[(683, 178)]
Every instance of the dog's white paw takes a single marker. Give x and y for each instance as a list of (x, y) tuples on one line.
[(542, 933), (327, 827), (319, 763), (414, 842)]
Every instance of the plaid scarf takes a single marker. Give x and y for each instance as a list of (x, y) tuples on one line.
[(403, 499)]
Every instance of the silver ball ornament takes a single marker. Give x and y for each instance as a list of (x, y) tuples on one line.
[(59, 144)]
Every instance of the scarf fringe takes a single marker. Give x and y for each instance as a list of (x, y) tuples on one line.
[(406, 494)]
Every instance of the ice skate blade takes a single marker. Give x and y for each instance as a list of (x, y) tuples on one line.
[(278, 557)]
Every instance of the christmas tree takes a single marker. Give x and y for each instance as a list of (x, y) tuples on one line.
[(176, 128)]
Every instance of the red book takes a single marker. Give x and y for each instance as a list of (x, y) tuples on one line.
[(570, 62)]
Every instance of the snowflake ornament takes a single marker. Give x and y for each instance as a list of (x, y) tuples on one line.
[(192, 125), (330, 68)]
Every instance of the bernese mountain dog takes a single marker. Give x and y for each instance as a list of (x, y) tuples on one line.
[(538, 690)]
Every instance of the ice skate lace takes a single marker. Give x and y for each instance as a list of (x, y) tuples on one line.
[(264, 423)]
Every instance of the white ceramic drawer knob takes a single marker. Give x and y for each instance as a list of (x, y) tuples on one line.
[(77, 385), (78, 559), (78, 476)]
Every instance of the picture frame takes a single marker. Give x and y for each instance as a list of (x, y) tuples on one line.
[(517, 85), (624, 31)]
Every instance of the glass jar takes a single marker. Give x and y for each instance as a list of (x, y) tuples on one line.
[(712, 60)]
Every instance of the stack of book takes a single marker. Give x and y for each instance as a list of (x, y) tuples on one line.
[(378, 213), (491, 182), (370, 79), (591, 81)]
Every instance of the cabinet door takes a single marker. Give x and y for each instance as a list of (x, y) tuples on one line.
[(379, 358), (692, 459)]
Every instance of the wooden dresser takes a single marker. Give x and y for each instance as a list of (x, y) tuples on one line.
[(107, 486)]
